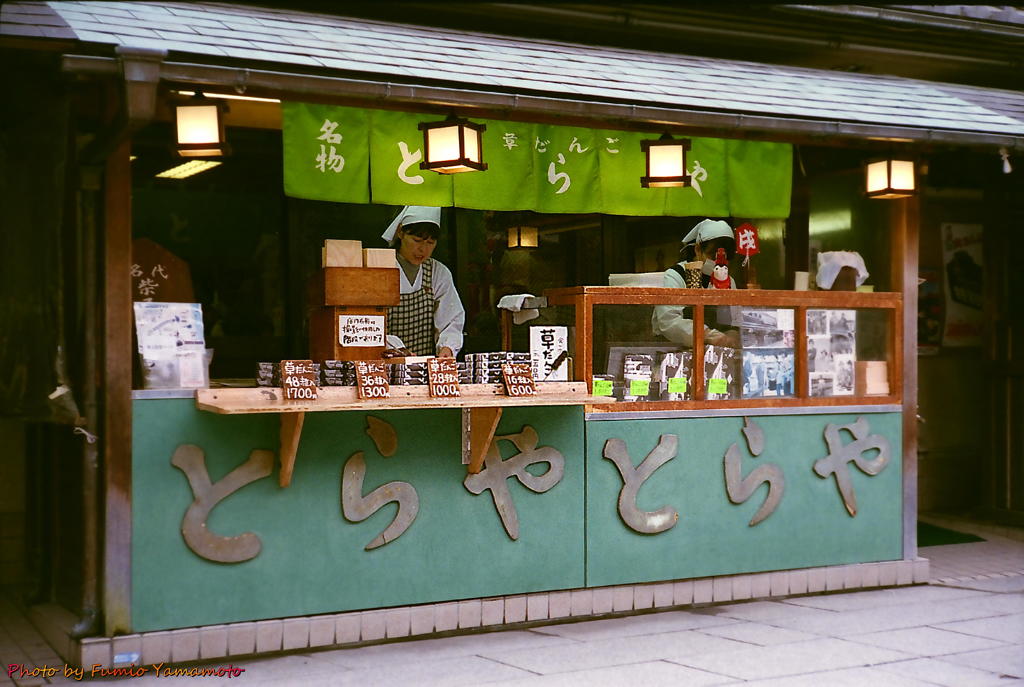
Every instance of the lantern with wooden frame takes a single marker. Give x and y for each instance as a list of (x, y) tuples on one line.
[(522, 237), (890, 178), (199, 127), (666, 162), (453, 145)]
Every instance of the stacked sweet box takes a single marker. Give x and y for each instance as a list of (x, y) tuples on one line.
[(416, 373), (338, 373), (269, 374), (673, 375), (485, 368), (637, 373)]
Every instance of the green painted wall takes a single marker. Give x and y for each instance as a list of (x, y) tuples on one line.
[(312, 560), (810, 526)]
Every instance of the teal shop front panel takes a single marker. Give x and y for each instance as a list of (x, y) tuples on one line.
[(312, 558), (810, 526)]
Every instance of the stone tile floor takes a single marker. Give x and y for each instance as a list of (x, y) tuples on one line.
[(964, 629)]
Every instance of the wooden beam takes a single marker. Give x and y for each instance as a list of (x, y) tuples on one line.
[(905, 220), (800, 369), (697, 393), (117, 393)]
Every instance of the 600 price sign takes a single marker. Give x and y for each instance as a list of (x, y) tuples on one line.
[(518, 379)]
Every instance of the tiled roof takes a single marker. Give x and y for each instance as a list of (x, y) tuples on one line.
[(359, 48), (1003, 14)]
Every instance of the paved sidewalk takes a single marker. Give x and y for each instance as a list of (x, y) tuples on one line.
[(964, 629)]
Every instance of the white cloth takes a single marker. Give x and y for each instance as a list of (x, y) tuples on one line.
[(514, 304), (411, 214), (449, 315), (708, 229), (830, 262), (671, 321)]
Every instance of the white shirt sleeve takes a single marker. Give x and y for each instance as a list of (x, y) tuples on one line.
[(671, 321), (450, 316)]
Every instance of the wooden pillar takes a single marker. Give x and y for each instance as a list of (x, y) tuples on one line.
[(904, 220), (117, 392)]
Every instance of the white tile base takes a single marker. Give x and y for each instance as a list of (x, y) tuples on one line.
[(375, 625)]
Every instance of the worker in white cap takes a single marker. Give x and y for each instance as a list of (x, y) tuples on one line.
[(700, 244), (429, 317)]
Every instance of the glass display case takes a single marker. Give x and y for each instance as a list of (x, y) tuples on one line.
[(667, 349)]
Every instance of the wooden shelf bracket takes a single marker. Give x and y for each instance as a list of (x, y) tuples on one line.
[(291, 432), (478, 428)]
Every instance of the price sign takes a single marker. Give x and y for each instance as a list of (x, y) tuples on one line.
[(639, 387), (372, 379), (677, 385), (299, 380), (443, 378), (717, 385), (602, 387), (518, 379)]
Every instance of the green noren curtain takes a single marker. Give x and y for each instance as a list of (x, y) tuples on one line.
[(355, 155)]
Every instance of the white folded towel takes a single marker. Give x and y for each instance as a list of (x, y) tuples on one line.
[(514, 304)]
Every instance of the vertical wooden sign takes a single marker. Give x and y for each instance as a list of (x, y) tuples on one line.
[(443, 378), (372, 379), (299, 380), (518, 379)]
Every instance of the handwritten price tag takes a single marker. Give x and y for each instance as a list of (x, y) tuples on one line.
[(718, 386), (443, 378), (372, 379), (677, 385), (299, 380), (518, 379), (602, 387), (639, 387)]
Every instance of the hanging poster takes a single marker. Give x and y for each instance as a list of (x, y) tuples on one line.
[(964, 269), (831, 352)]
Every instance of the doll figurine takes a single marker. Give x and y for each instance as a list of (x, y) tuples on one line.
[(720, 272)]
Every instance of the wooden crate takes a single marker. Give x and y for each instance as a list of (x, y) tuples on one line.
[(323, 334), (357, 286)]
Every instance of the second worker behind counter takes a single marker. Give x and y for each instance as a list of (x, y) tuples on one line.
[(700, 244), (429, 317)]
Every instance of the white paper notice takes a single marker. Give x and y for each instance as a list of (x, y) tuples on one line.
[(361, 330), (548, 346)]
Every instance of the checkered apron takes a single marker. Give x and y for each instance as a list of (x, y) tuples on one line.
[(412, 320)]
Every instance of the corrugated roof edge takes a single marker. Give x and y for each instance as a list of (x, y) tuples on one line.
[(326, 88)]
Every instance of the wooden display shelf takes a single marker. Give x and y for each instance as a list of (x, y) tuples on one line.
[(482, 405)]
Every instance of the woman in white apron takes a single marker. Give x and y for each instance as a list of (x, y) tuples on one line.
[(429, 317)]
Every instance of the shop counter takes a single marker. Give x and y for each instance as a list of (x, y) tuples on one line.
[(572, 491)]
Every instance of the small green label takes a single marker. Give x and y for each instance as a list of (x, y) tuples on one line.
[(602, 387), (639, 387), (718, 386), (677, 385)]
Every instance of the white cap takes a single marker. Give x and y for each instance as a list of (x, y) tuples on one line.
[(708, 229), (411, 214)]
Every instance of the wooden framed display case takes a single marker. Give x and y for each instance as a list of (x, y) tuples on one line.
[(884, 337)]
